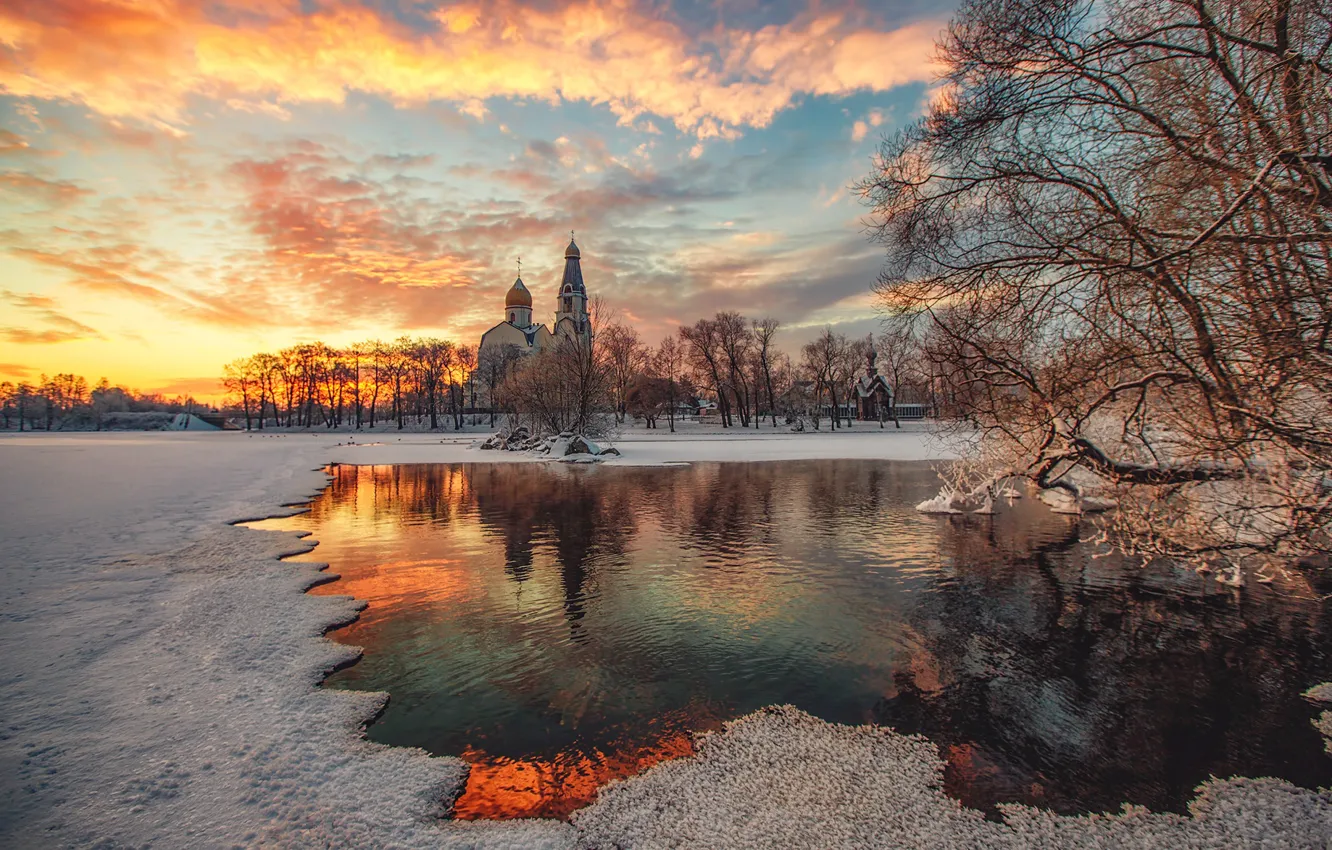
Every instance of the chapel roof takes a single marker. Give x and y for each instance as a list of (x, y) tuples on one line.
[(518, 296)]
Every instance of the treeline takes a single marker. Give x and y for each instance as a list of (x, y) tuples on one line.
[(414, 381), (729, 364), (65, 402), (736, 363)]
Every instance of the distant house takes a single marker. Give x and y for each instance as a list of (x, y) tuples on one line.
[(873, 396), (703, 409)]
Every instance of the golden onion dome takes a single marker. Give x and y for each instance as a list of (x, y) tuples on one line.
[(518, 295), (572, 251)]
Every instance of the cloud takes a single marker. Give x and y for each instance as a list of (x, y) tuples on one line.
[(125, 270), (146, 60), (795, 279), (475, 108), (59, 327), (12, 143), (259, 107), (342, 246), (23, 186), (860, 129), (27, 336)]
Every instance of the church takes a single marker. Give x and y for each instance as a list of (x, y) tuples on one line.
[(571, 317)]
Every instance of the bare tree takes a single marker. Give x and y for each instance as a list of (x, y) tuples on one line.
[(239, 379), (899, 350), (495, 365), (736, 342), (466, 358), (627, 356), (765, 331), (564, 388), (706, 360), (830, 359), (668, 363), (1118, 224)]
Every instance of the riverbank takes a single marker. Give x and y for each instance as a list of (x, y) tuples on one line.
[(163, 669), (651, 447)]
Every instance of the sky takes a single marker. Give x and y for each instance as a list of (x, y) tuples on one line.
[(183, 183)]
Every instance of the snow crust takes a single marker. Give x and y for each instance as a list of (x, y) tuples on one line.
[(781, 778), (161, 672)]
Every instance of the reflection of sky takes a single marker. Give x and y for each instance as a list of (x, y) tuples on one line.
[(559, 627), (182, 183)]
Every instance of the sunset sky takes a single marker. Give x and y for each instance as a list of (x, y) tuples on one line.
[(183, 183)]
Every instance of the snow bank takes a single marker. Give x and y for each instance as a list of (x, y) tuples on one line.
[(781, 778), (161, 665), (647, 448)]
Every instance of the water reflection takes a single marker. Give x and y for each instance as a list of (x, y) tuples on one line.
[(559, 627)]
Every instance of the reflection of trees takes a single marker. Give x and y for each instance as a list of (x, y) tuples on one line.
[(725, 508), (583, 520), (1046, 676), (415, 493), (728, 507), (1079, 683), (526, 505)]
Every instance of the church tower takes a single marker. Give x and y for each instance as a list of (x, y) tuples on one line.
[(518, 305), (571, 309)]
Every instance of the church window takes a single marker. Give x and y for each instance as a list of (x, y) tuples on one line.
[(568, 304), (511, 316)]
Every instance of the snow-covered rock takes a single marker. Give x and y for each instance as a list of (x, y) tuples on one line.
[(946, 502), (1060, 501), (1063, 502)]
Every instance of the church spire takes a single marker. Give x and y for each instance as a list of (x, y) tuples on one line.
[(573, 269), (571, 310)]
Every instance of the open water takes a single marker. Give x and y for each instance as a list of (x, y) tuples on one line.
[(562, 626)]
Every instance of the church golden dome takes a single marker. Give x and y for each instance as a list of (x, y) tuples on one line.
[(572, 250), (518, 295)]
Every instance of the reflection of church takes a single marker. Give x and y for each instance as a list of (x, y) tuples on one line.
[(571, 316)]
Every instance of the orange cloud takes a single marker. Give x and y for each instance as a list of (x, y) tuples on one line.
[(145, 59), (25, 186), (60, 328)]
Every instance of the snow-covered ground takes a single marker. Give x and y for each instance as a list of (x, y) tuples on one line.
[(642, 447), (160, 672)]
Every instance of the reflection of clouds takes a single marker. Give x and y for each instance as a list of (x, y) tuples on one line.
[(396, 584), (567, 599), (502, 787)]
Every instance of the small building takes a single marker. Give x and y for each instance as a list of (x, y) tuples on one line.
[(871, 392)]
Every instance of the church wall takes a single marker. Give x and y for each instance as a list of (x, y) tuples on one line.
[(503, 334)]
